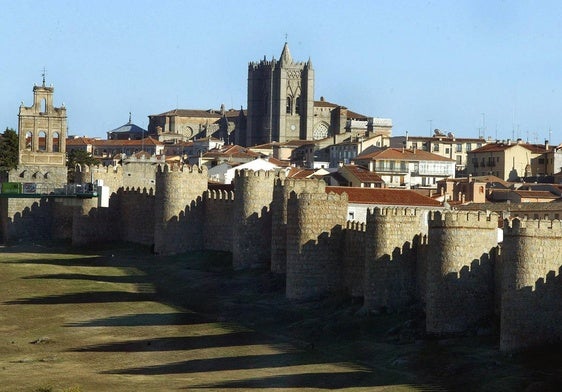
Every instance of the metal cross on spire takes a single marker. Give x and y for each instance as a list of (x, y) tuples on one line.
[(44, 74)]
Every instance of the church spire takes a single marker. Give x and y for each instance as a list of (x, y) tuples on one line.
[(286, 55)]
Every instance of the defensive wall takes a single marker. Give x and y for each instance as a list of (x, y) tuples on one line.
[(445, 262)]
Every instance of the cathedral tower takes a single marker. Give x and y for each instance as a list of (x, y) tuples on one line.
[(280, 100)]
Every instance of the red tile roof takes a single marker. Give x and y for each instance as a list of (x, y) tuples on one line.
[(496, 147), (384, 196), (363, 174)]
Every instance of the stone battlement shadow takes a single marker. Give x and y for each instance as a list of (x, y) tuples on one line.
[(532, 316), (464, 301), (395, 282), (32, 223)]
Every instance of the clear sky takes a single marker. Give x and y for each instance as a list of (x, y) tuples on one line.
[(468, 67)]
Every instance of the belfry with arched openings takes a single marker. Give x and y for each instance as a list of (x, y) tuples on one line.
[(42, 130)]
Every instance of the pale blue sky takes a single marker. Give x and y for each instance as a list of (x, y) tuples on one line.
[(459, 64)]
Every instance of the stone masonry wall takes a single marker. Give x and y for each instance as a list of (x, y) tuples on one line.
[(315, 242), (392, 241), (137, 215), (281, 191), (354, 259), (179, 210), (219, 207), (531, 301), (460, 281), (251, 219)]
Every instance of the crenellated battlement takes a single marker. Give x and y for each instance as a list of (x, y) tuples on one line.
[(137, 190), (219, 195), (356, 226), (99, 169), (303, 185), (246, 173), (333, 197), (465, 219), (533, 227), (170, 167)]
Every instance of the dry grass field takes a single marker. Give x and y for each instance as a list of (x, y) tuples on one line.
[(121, 319)]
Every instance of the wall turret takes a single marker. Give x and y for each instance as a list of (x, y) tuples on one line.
[(251, 219), (393, 238), (531, 313), (179, 208), (281, 192), (460, 281), (315, 223)]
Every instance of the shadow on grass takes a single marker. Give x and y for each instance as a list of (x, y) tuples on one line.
[(86, 297), (329, 381), (95, 278), (243, 362), (180, 343), (144, 320)]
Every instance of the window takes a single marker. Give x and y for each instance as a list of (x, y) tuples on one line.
[(289, 105), (447, 151), (468, 147), (459, 159), (298, 105), (436, 147), (42, 141), (459, 147), (56, 142)]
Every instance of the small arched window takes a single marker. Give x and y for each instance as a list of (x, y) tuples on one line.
[(42, 141), (298, 105), (56, 147), (43, 105), (28, 140), (289, 108)]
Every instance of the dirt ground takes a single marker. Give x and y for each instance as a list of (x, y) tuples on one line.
[(122, 319)]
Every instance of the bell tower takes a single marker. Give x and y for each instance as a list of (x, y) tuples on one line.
[(280, 100), (42, 130)]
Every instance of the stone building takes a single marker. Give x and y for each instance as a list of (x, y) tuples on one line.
[(448, 146), (281, 107), (511, 161), (188, 124)]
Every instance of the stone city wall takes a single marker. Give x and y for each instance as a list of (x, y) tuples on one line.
[(447, 261), (460, 284), (219, 208), (531, 300), (354, 259), (315, 242), (393, 238), (251, 220)]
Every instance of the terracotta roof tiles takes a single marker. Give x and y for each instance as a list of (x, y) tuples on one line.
[(384, 196)]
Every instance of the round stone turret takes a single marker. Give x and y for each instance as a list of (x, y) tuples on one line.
[(393, 238), (315, 223), (530, 303), (460, 284), (251, 219), (179, 212)]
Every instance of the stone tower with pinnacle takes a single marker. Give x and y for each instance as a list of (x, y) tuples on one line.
[(280, 100)]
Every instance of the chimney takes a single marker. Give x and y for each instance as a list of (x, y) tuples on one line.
[(546, 145)]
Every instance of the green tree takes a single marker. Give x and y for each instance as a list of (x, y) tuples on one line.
[(79, 157), (9, 149)]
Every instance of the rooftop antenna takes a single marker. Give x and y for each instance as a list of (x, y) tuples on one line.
[(129, 117), (430, 130)]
